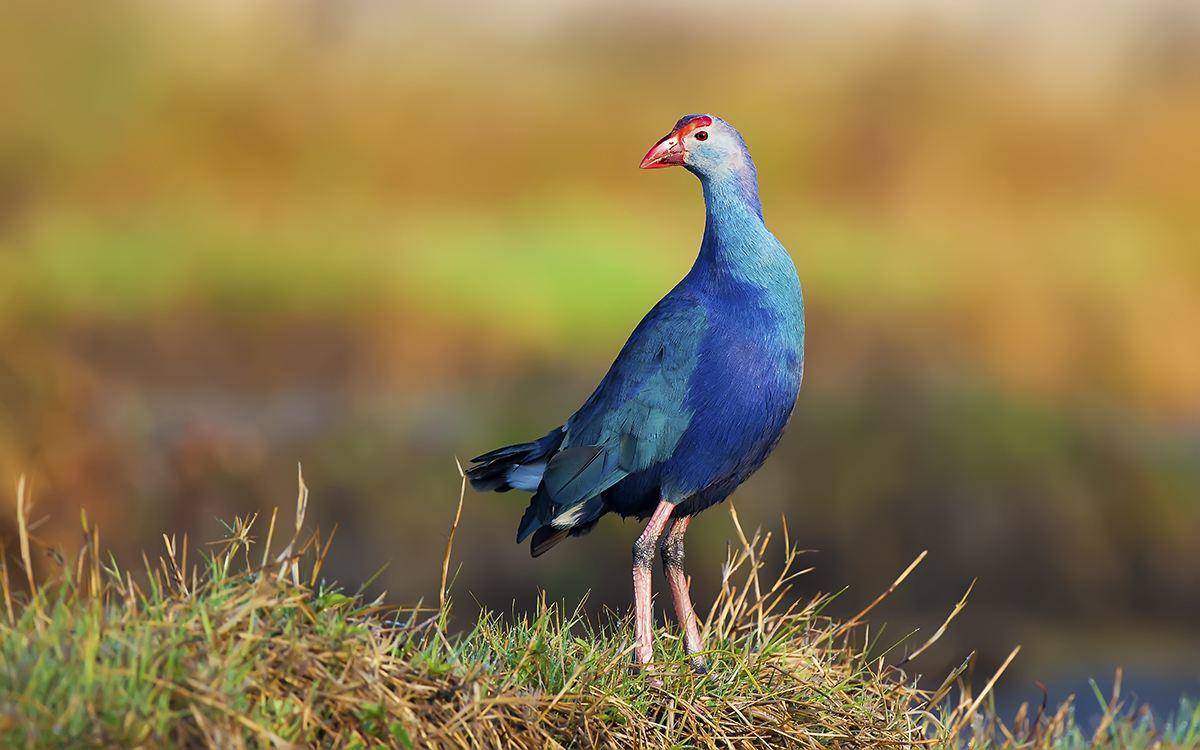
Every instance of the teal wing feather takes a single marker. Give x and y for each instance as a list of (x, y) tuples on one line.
[(633, 419)]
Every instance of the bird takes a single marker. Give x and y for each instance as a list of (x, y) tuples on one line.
[(695, 400)]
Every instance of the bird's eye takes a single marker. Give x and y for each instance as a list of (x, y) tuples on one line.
[(702, 135)]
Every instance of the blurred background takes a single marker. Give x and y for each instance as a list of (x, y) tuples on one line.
[(372, 236)]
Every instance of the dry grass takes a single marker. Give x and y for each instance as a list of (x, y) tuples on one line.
[(249, 648)]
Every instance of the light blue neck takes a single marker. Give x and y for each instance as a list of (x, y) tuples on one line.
[(735, 238)]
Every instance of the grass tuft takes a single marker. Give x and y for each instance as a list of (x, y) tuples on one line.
[(246, 647)]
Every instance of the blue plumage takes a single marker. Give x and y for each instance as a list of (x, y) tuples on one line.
[(703, 388)]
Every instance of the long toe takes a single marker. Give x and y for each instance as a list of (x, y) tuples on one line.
[(647, 672)]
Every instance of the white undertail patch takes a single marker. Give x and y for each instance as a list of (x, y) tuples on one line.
[(579, 514)]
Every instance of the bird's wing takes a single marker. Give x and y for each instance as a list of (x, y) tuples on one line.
[(632, 421)]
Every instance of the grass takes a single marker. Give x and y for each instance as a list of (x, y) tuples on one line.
[(248, 646)]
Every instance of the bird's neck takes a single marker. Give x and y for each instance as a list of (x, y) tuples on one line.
[(735, 238)]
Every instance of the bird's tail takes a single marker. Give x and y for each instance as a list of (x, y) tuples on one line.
[(517, 466), (570, 498), (545, 538)]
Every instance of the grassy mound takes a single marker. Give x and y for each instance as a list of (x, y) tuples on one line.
[(248, 648)]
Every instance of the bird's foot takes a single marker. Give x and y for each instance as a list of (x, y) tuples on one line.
[(643, 665), (699, 665), (647, 671)]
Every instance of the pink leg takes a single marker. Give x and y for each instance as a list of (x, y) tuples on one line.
[(643, 555), (671, 549)]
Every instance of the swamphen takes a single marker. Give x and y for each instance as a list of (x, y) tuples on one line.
[(696, 399)]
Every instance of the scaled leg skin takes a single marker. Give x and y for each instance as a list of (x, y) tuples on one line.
[(671, 549), (643, 555)]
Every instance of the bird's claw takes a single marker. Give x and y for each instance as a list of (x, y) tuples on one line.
[(647, 670)]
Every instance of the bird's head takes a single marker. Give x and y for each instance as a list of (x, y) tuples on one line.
[(704, 144)]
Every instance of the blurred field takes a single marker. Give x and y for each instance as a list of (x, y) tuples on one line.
[(372, 238)]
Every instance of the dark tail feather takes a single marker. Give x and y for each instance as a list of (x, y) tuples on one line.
[(493, 475), (548, 536), (493, 467), (505, 452), (545, 538)]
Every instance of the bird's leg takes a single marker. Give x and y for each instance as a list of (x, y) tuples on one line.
[(643, 555), (671, 549)]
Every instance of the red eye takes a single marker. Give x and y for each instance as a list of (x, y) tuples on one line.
[(702, 135)]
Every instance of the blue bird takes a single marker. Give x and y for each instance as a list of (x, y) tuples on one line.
[(696, 399)]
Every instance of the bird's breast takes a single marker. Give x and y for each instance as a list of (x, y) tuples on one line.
[(750, 363), (765, 326)]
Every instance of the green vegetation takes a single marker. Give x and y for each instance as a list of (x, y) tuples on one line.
[(250, 647)]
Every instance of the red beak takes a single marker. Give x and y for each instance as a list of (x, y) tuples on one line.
[(668, 152)]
